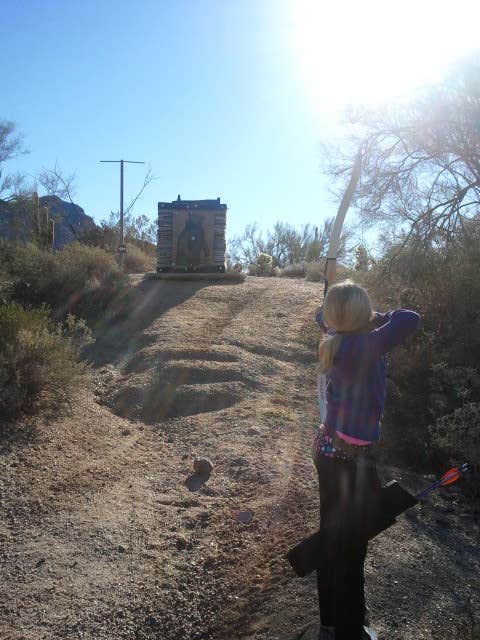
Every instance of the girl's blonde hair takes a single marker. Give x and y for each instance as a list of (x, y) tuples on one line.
[(347, 309)]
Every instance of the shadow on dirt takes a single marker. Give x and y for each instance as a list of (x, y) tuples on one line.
[(140, 362), (164, 398), (196, 481), (13, 436), (122, 333)]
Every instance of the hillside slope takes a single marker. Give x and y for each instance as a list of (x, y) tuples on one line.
[(106, 533), (70, 221)]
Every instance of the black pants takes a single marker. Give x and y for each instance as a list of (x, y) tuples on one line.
[(347, 491)]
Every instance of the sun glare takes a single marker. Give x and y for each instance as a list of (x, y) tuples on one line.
[(372, 51)]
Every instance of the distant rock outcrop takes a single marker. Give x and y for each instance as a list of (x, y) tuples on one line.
[(70, 221)]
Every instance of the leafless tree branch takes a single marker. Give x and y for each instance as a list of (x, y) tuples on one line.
[(56, 183), (148, 178), (420, 161)]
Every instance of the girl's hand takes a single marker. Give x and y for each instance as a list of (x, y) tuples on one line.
[(319, 319), (378, 319)]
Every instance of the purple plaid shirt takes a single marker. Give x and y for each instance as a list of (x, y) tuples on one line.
[(356, 383)]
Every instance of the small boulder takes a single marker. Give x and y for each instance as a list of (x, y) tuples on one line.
[(202, 466)]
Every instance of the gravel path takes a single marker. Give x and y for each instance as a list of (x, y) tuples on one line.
[(106, 533)]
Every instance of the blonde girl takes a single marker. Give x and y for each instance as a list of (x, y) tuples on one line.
[(353, 371)]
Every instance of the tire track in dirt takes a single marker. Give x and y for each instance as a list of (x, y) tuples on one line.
[(253, 567), (225, 539), (153, 385)]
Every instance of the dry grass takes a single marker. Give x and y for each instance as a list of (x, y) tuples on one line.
[(79, 279), (39, 367)]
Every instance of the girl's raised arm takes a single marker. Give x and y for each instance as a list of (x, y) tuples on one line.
[(395, 328)]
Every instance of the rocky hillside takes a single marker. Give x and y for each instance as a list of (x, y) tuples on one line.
[(70, 220)]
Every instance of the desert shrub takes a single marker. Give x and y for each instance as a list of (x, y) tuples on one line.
[(138, 261), (77, 332), (140, 231), (455, 439), (437, 373), (311, 271), (457, 435), (39, 365), (263, 266), (5, 287), (314, 271), (344, 272), (80, 279), (296, 270)]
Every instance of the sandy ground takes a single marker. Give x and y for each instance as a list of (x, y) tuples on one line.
[(106, 532)]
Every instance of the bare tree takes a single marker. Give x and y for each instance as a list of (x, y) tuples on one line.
[(57, 183), (129, 221), (11, 146), (11, 142), (147, 179), (139, 229), (420, 160)]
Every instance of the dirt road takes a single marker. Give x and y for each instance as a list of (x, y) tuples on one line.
[(106, 533)]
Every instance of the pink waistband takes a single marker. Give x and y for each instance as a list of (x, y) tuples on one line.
[(352, 440)]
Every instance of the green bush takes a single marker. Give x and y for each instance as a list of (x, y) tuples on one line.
[(82, 280), (39, 366)]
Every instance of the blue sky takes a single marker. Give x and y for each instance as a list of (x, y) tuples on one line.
[(213, 94), (203, 91)]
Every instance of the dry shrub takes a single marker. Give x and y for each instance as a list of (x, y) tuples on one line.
[(437, 373), (315, 271), (312, 271), (138, 261), (296, 270), (457, 434), (39, 365), (456, 439), (5, 287), (344, 272), (80, 279)]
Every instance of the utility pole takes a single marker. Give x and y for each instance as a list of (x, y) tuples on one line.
[(121, 247)]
